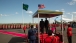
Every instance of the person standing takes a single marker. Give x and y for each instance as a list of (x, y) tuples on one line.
[(42, 26), (50, 38), (46, 25), (64, 27), (24, 28), (53, 29), (60, 37), (69, 34), (43, 36), (32, 35)]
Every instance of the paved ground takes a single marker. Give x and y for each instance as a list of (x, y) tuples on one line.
[(65, 35), (11, 39)]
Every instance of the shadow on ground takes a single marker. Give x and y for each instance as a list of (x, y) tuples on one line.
[(17, 40)]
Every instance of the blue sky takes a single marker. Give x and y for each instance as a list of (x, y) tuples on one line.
[(11, 10)]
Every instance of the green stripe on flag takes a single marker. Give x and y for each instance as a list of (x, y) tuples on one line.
[(25, 7)]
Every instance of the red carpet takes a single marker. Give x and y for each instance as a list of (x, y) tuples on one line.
[(14, 34)]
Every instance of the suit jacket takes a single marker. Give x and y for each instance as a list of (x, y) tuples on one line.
[(46, 23), (32, 34), (42, 24)]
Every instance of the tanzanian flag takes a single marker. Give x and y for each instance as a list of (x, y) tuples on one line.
[(25, 7)]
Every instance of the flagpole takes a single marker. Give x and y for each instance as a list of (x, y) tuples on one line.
[(22, 16), (72, 17), (62, 28), (32, 20), (39, 6), (38, 29)]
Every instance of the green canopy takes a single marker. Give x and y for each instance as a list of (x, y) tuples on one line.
[(46, 13)]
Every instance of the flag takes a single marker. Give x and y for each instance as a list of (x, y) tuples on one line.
[(25, 7), (41, 6)]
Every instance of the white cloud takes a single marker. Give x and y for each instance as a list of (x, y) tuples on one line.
[(74, 12), (62, 9), (6, 15), (3, 15), (30, 12), (73, 2), (67, 13), (56, 10), (16, 12)]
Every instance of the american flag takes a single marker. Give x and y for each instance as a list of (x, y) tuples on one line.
[(41, 6)]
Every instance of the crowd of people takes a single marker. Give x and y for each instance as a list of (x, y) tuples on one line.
[(49, 35)]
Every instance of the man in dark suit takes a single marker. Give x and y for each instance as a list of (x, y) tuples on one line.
[(46, 25), (42, 26), (32, 35)]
